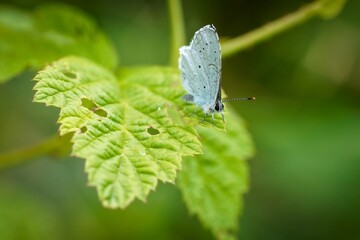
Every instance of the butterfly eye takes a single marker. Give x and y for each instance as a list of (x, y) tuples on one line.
[(219, 106)]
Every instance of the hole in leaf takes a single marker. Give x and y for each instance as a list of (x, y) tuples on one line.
[(69, 74), (88, 104), (153, 131), (92, 107), (83, 129), (100, 112)]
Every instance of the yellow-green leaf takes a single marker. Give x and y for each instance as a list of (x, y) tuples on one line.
[(121, 124)]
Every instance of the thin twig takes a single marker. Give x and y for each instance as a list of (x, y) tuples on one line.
[(177, 30)]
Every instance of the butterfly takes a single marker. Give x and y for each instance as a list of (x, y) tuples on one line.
[(200, 67)]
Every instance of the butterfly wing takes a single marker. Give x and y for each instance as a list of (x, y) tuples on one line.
[(195, 79), (206, 43), (200, 65)]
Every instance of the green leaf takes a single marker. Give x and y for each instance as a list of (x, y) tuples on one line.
[(213, 183), (51, 31), (121, 124)]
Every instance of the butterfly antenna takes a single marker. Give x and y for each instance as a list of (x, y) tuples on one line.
[(238, 99)]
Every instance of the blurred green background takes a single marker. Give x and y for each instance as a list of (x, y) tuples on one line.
[(305, 177)]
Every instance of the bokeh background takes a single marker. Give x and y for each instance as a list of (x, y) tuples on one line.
[(305, 177)]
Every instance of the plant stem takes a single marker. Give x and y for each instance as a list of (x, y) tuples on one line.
[(177, 30), (271, 29), (54, 144)]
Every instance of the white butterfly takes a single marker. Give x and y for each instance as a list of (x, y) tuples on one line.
[(200, 66)]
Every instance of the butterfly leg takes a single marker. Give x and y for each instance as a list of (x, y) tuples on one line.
[(223, 117), (212, 116)]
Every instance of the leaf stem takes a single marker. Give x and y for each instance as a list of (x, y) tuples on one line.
[(54, 145), (177, 30), (240, 43)]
